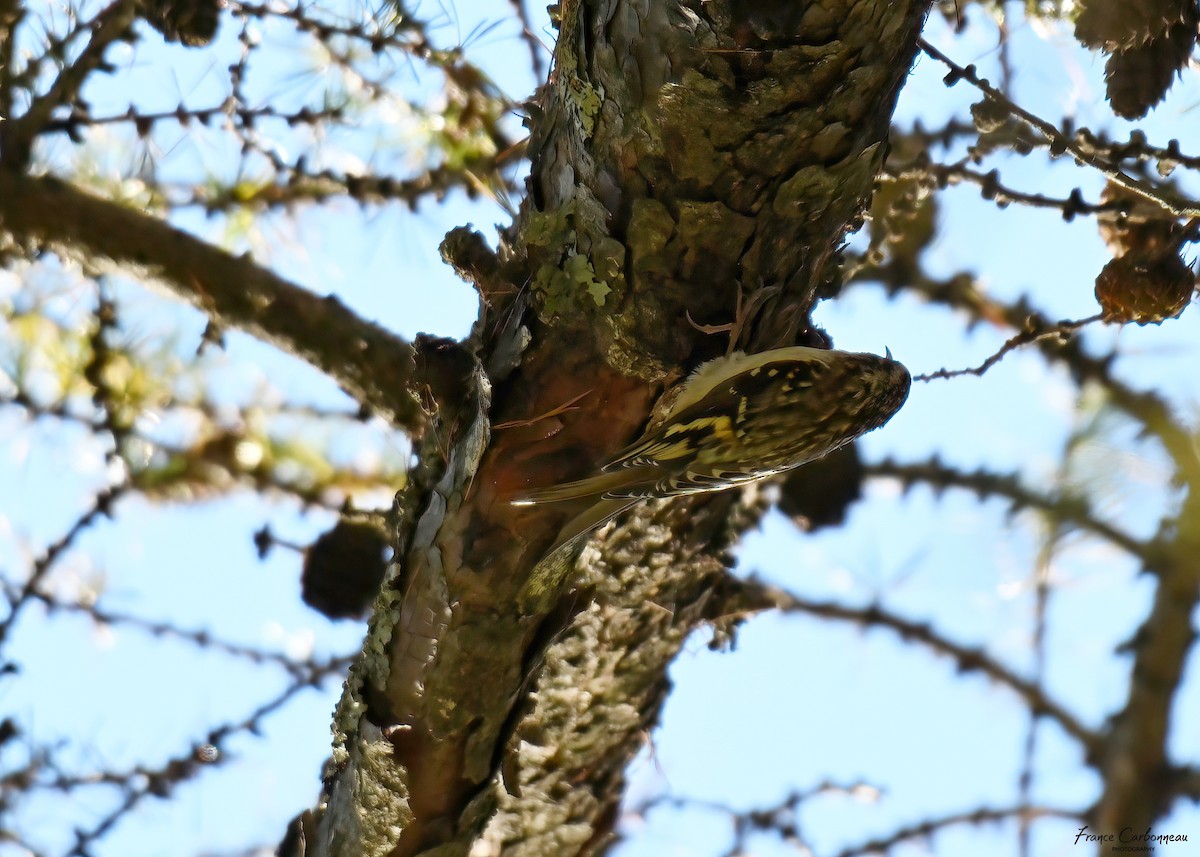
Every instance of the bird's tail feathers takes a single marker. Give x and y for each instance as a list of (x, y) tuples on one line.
[(594, 486), (557, 564)]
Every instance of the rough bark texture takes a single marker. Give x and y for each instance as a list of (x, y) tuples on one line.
[(682, 153)]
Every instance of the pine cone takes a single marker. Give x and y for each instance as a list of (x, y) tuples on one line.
[(344, 568), (1139, 78), (1121, 25), (1144, 289), (192, 22)]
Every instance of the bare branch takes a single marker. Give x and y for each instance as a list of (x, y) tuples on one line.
[(1138, 785), (112, 24), (1060, 141), (373, 365), (991, 188), (781, 818), (753, 596), (162, 781), (1031, 334), (926, 829), (101, 506), (1063, 507), (1186, 783), (961, 292), (302, 669), (536, 60)]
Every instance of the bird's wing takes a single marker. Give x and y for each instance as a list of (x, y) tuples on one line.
[(674, 442)]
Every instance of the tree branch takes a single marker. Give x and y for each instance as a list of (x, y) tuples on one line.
[(961, 292), (373, 365), (1060, 331), (112, 24), (753, 596), (926, 829), (1138, 782), (20, 597), (1060, 142), (1072, 510)]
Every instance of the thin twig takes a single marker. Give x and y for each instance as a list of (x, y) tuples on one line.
[(536, 60), (1025, 337), (1059, 140), (18, 600), (110, 25), (186, 766), (926, 829)]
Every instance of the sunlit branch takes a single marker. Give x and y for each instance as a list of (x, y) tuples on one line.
[(373, 365), (300, 186), (144, 123), (1060, 141), (112, 24)]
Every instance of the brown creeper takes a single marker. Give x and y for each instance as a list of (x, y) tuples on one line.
[(739, 419)]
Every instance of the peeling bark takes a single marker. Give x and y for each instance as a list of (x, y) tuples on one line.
[(683, 155)]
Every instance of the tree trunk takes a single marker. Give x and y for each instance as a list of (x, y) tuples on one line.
[(687, 160)]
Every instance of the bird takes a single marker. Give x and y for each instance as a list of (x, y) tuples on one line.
[(737, 419)]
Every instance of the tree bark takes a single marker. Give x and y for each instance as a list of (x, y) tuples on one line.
[(684, 156)]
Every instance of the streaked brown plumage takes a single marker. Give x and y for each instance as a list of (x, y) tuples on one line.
[(742, 418), (739, 419)]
